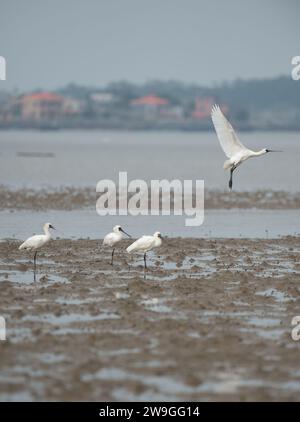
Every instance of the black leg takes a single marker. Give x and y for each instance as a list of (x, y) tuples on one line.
[(231, 173), (145, 263), (112, 257), (34, 265), (230, 180)]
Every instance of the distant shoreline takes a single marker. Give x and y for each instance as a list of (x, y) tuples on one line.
[(146, 129)]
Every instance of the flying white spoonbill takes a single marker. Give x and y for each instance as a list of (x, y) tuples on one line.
[(230, 143), (111, 239), (145, 244), (34, 243)]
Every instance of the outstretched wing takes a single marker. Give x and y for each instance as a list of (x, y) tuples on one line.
[(228, 139)]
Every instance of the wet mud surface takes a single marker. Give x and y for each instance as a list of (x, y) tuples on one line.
[(210, 320), (68, 198)]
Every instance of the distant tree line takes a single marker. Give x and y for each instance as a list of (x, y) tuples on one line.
[(250, 94)]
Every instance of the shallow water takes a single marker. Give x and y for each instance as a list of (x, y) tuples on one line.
[(81, 158), (234, 223), (27, 277), (66, 319)]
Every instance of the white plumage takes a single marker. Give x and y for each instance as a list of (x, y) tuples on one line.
[(228, 139), (230, 143), (113, 238), (34, 243), (145, 244)]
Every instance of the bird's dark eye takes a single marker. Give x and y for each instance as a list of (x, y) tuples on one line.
[(267, 150), (120, 228)]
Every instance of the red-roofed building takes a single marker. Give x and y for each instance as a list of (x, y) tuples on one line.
[(203, 106), (150, 107), (41, 106), (150, 100)]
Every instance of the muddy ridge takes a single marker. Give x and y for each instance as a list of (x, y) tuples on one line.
[(68, 198)]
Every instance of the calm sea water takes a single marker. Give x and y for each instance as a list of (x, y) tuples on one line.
[(235, 223), (81, 158)]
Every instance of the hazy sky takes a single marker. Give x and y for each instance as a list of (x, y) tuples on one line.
[(48, 43)]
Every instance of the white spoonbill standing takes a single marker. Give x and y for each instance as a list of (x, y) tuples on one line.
[(34, 243), (145, 244), (111, 239), (230, 143)]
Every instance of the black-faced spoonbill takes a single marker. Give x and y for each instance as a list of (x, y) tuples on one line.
[(230, 143), (145, 244), (111, 239), (34, 243)]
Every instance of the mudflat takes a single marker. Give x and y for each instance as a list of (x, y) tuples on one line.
[(210, 320)]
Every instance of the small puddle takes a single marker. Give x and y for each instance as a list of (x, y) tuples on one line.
[(156, 305), (276, 294), (19, 335), (268, 334), (162, 383), (27, 277), (77, 301), (69, 318), (263, 322), (51, 358), (119, 352)]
